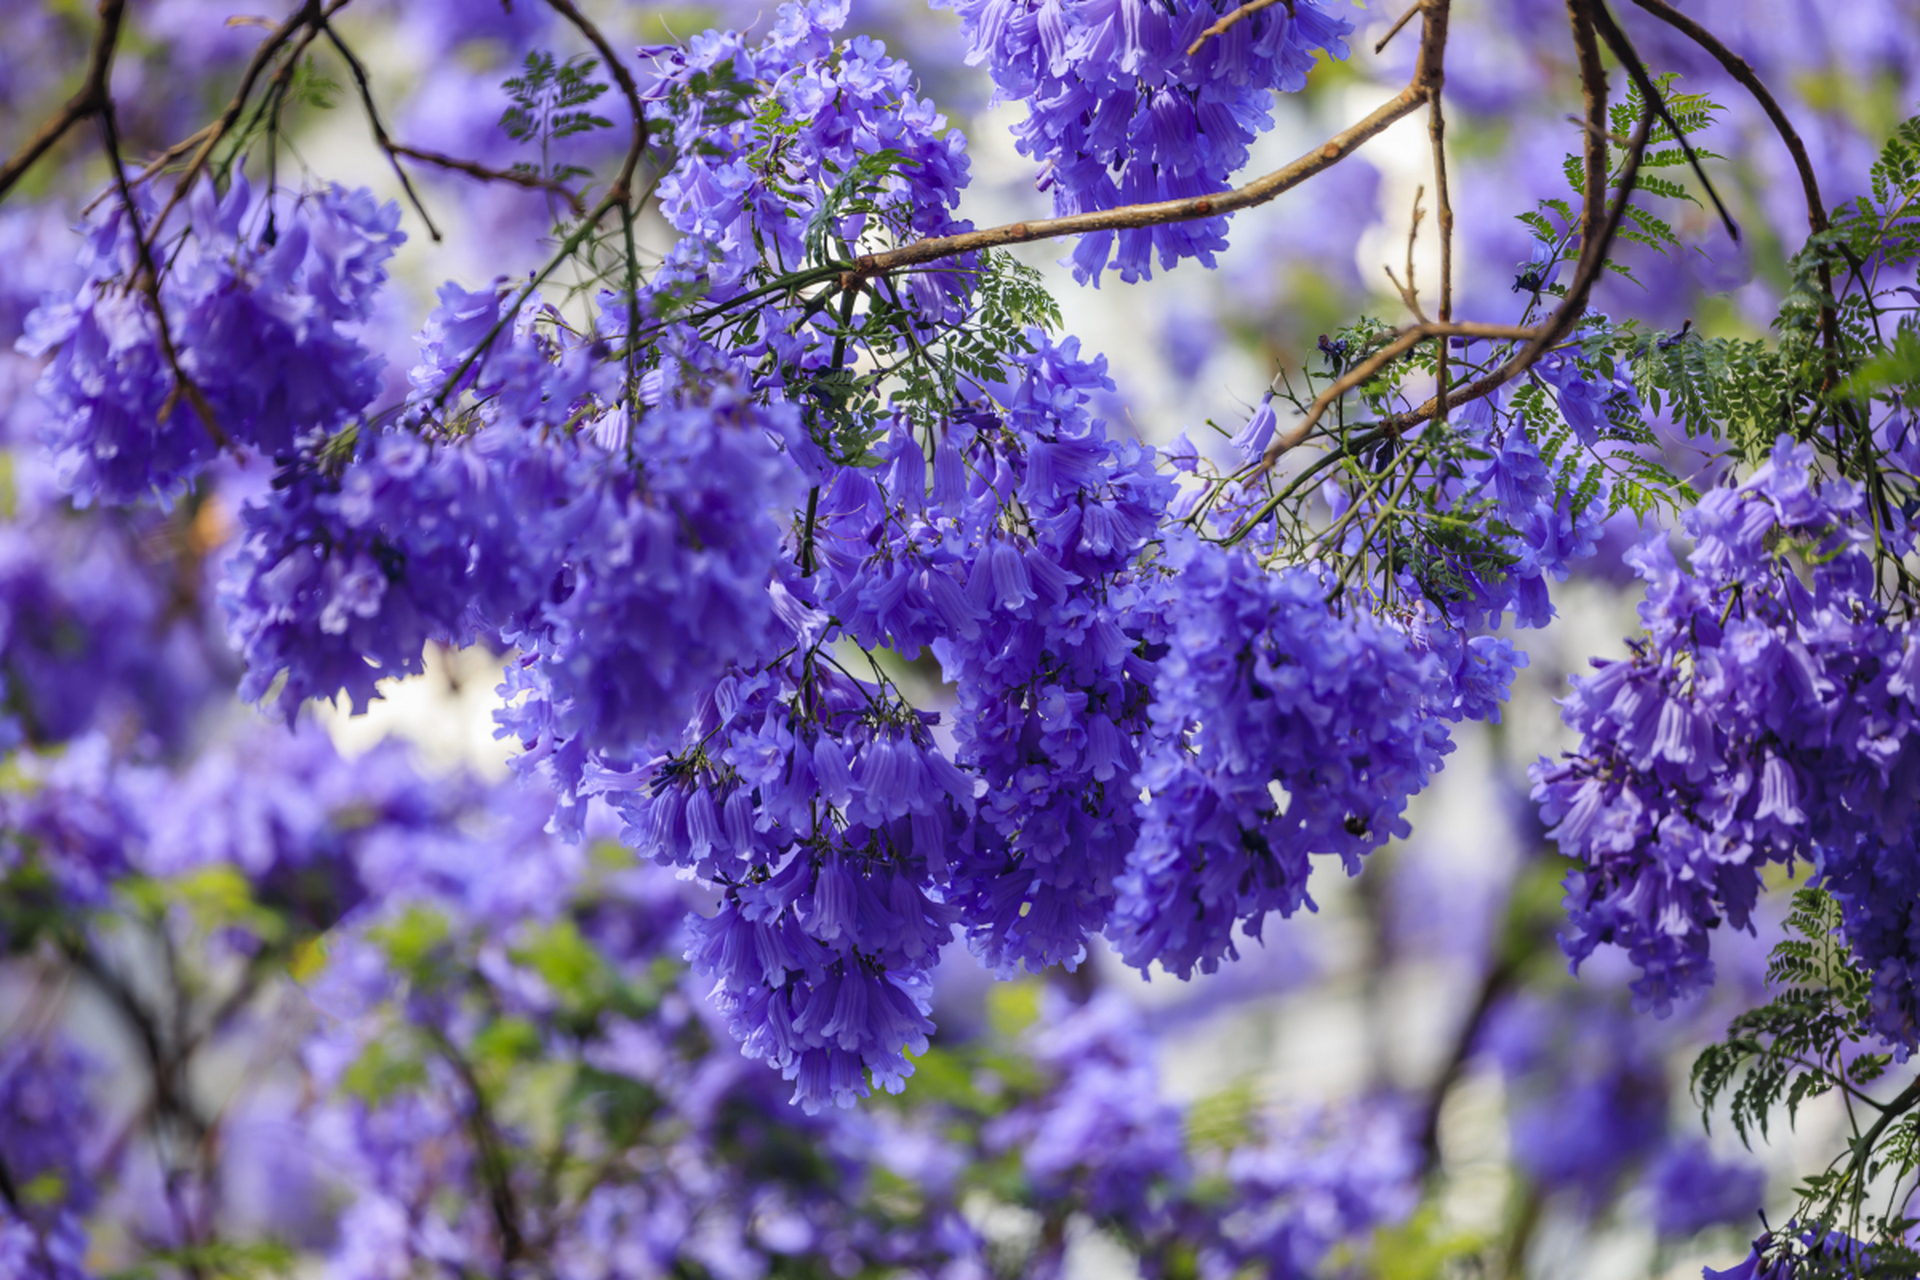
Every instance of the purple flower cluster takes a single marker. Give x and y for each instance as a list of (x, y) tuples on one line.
[(1766, 716), (1548, 523), (629, 566), (826, 813), (1311, 1183), (262, 298), (1588, 1089), (741, 195), (1118, 112), (1039, 515), (700, 1160), (1691, 1190), (48, 1128), (1276, 1198), (68, 830), (50, 1143), (1283, 729), (345, 572), (1104, 1134), (1803, 1251)]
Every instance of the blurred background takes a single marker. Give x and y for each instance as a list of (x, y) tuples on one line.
[(1523, 1121)]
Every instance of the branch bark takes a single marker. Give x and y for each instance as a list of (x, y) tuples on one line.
[(91, 98), (1257, 192)]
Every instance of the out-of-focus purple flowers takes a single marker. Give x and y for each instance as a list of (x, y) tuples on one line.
[(1690, 1190)]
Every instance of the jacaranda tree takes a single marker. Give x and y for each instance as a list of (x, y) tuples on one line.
[(856, 633)]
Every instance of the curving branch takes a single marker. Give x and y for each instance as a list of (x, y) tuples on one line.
[(1742, 71), (89, 101), (380, 137), (622, 190), (1257, 192), (1617, 41), (1744, 74)]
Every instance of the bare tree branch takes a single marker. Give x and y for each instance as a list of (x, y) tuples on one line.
[(1743, 72), (91, 98), (1257, 192), (380, 137), (1637, 71), (519, 178)]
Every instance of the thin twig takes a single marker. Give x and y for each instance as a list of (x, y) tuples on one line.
[(1411, 293), (380, 137), (1401, 343), (1380, 45), (622, 190), (91, 98), (520, 178), (1228, 21)]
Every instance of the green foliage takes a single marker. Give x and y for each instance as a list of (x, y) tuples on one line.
[(1727, 388), (1790, 1049), (551, 101), (312, 87), (214, 1260)]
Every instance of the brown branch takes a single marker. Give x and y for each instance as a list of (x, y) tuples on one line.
[(309, 14), (1410, 292), (1563, 317), (1228, 21), (380, 137), (1257, 192), (1495, 984), (91, 98), (1599, 222), (1637, 71), (1743, 72), (489, 1148), (1593, 94), (522, 178), (1380, 45), (156, 164), (147, 277), (170, 1096), (1433, 48)]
